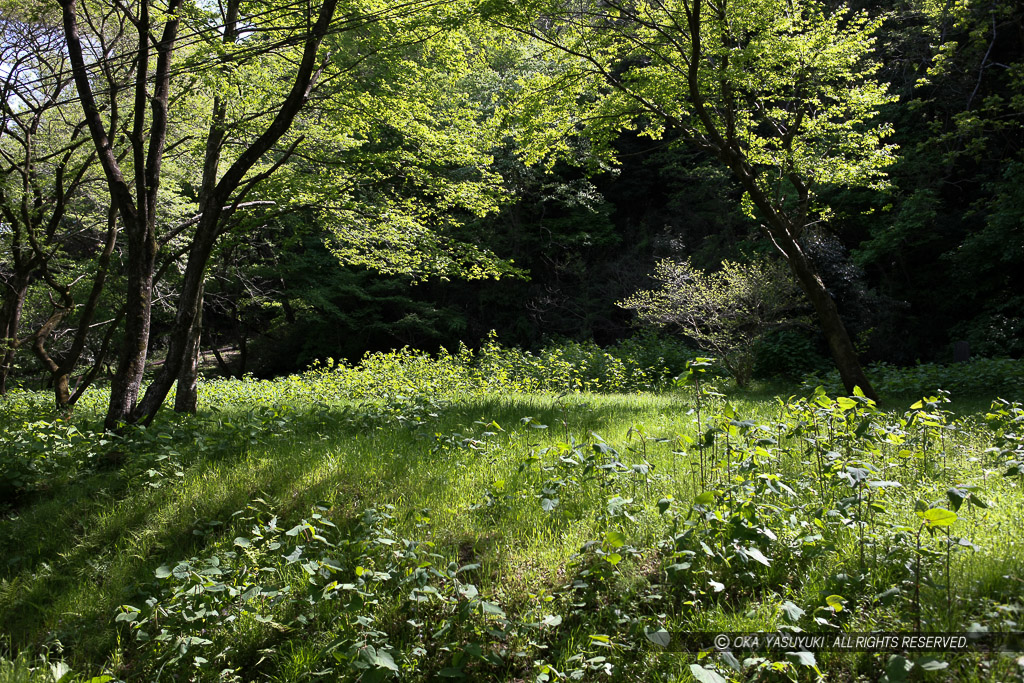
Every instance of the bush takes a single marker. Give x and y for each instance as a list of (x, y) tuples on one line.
[(725, 312)]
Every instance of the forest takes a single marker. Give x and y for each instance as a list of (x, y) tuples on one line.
[(509, 339)]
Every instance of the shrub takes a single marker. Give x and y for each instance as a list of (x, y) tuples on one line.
[(725, 312)]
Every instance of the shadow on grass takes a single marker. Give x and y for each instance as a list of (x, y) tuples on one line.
[(74, 553)]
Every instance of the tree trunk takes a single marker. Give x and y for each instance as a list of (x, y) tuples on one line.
[(831, 325), (186, 400), (225, 369), (99, 362), (136, 202), (57, 379), (183, 347), (124, 389), (243, 354), (782, 226), (215, 196), (62, 392)]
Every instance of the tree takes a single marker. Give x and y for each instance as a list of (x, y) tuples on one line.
[(783, 93), (46, 203), (157, 35), (385, 155), (725, 312)]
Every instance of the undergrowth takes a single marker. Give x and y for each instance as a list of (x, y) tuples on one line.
[(489, 516)]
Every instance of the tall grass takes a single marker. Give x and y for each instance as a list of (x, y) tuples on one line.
[(480, 516)]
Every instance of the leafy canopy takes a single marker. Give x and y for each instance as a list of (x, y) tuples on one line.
[(784, 92)]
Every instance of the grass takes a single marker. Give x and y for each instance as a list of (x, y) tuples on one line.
[(501, 534)]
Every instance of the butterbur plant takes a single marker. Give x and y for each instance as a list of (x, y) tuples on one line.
[(930, 423)]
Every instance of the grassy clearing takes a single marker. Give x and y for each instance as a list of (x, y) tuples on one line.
[(418, 520)]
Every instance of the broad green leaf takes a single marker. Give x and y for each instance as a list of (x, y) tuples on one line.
[(706, 675), (836, 602), (661, 637), (705, 498), (897, 668), (491, 608), (931, 664), (845, 403), (615, 539), (936, 517), (804, 659), (792, 611), (758, 556)]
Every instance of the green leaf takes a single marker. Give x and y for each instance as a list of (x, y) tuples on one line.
[(936, 517), (804, 658), (127, 613), (931, 664), (163, 571), (380, 659), (758, 556), (615, 539), (491, 608), (58, 671), (845, 403), (706, 675), (836, 602), (705, 498), (792, 611), (661, 637), (897, 668)]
